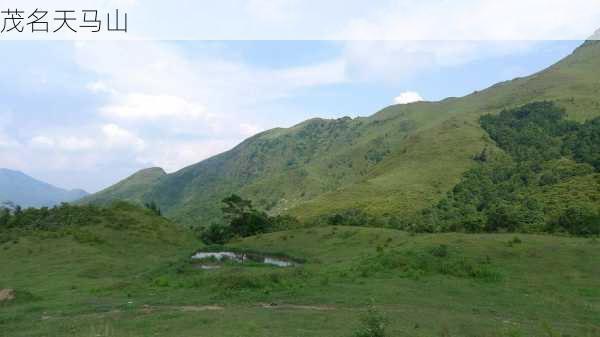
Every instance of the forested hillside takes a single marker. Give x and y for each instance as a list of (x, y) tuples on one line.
[(394, 164), (549, 181)]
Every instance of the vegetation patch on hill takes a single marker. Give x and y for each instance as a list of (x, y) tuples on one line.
[(513, 192)]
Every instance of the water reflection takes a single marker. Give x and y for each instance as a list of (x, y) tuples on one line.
[(213, 260)]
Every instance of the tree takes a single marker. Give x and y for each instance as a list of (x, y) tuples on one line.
[(4, 217), (235, 206), (244, 220), (585, 144), (16, 220), (502, 216)]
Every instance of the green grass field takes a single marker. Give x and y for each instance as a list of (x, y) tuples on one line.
[(137, 280)]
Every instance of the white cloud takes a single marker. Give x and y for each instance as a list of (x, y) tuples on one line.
[(329, 72), (42, 142), (136, 106), (160, 87), (100, 87), (391, 60), (408, 97), (68, 143), (273, 11), (183, 108), (76, 144), (117, 137), (174, 155), (475, 20), (159, 81), (249, 129)]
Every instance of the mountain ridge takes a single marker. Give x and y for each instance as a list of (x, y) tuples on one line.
[(26, 191), (397, 161)]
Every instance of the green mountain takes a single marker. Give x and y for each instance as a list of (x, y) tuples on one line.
[(131, 189), (399, 161), (23, 190)]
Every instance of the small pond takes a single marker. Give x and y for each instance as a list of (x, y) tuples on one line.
[(214, 260)]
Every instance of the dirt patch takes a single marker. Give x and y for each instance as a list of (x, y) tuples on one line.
[(194, 308), (149, 309), (146, 309), (7, 295), (297, 307)]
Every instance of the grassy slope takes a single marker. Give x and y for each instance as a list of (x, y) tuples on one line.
[(399, 160), (131, 189), (139, 284), (62, 275), (431, 161)]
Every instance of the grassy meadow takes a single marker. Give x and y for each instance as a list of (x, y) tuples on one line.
[(136, 279)]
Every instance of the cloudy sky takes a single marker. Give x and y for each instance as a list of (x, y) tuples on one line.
[(85, 114)]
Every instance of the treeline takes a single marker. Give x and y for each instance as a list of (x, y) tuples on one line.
[(360, 218), (47, 218), (505, 192), (59, 220), (67, 219)]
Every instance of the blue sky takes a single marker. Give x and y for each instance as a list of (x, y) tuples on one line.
[(86, 114)]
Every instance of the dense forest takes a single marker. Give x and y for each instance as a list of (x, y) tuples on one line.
[(507, 190)]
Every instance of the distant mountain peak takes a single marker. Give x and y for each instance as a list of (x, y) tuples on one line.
[(23, 190), (133, 188), (151, 170)]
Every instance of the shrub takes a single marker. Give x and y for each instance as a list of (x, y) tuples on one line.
[(514, 241), (578, 219), (153, 207), (162, 281), (284, 222), (372, 325), (440, 251), (216, 234), (351, 217)]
